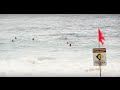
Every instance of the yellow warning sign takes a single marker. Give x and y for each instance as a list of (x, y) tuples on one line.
[(99, 56)]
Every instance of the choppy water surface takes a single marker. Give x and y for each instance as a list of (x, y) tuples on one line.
[(51, 32)]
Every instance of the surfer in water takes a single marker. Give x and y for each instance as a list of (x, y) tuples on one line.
[(69, 44)]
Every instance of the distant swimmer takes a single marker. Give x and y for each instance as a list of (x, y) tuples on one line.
[(15, 38), (70, 45), (67, 42), (12, 40), (32, 38)]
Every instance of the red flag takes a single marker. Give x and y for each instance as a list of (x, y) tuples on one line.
[(100, 36)]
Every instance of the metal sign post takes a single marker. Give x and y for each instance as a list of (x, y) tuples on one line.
[(99, 58), (100, 68), (100, 61)]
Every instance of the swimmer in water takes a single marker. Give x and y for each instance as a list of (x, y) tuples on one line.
[(67, 42), (15, 38), (32, 38), (12, 40), (70, 45)]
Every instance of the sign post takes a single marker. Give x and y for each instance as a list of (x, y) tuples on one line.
[(99, 57)]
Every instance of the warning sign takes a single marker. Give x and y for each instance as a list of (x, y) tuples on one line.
[(99, 56)]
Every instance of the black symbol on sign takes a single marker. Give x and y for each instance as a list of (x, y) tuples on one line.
[(99, 56)]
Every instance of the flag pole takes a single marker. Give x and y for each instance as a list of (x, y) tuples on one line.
[(99, 60)]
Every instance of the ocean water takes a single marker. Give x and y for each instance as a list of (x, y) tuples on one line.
[(49, 54)]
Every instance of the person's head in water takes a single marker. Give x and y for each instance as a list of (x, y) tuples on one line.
[(12, 40), (70, 45), (32, 38), (15, 38)]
